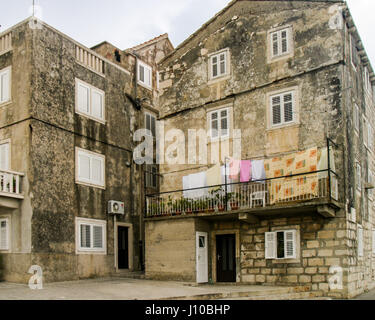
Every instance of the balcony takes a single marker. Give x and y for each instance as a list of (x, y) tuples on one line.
[(10, 184), (315, 191)]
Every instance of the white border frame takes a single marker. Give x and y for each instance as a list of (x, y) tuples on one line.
[(146, 66), (9, 69), (229, 110), (93, 222), (85, 183), (290, 37), (227, 74), (91, 88)]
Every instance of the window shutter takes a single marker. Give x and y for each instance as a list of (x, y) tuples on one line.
[(224, 123), (270, 245), (83, 99), (4, 235), (142, 73), (84, 166), (284, 41), (275, 44), (288, 107), (214, 125), (222, 64), (96, 174), (4, 86), (148, 77), (97, 104), (290, 244), (4, 156), (215, 71), (276, 110), (98, 237), (85, 236)]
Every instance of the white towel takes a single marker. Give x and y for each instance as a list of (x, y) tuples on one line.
[(198, 180), (258, 171)]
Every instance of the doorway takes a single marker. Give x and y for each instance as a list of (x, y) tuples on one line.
[(226, 258), (123, 247)]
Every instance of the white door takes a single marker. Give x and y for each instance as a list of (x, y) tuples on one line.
[(202, 257)]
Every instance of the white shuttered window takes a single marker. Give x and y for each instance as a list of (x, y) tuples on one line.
[(219, 123), (91, 235), (90, 101), (4, 235), (282, 109), (4, 156), (144, 74), (150, 121), (90, 168), (281, 244), (280, 42), (219, 64), (5, 85)]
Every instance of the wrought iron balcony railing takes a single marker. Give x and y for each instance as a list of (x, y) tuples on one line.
[(250, 195)]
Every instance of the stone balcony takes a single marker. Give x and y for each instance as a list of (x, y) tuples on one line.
[(307, 192), (10, 189)]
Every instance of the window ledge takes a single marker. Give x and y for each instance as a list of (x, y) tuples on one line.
[(91, 252), (6, 51), (90, 185), (91, 118), (4, 104), (283, 126), (144, 85), (219, 79)]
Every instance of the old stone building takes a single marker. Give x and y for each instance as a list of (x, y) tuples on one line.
[(67, 119), (294, 78)]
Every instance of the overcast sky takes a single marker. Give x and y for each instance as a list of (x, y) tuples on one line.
[(126, 23)]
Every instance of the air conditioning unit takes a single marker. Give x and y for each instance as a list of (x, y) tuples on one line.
[(116, 207)]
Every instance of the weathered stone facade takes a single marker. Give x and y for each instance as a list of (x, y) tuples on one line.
[(44, 129), (319, 68)]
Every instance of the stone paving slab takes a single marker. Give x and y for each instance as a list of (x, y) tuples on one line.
[(131, 289)]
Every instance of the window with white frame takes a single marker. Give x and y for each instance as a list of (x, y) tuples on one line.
[(90, 101), (281, 244), (360, 240), (281, 42), (144, 74), (91, 235), (4, 234), (5, 85), (219, 64), (150, 123), (353, 52), (4, 156), (219, 123), (283, 108), (358, 175), (90, 168), (356, 117)]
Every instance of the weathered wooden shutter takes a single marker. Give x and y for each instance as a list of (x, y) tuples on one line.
[(276, 110), (4, 86), (4, 156), (215, 67), (288, 107), (214, 124), (98, 237), (270, 245), (83, 98), (84, 166), (97, 104), (85, 236), (275, 44), (290, 244), (284, 41)]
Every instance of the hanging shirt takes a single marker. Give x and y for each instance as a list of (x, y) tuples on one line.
[(234, 169)]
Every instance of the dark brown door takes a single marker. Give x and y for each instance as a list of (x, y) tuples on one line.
[(226, 258), (123, 248)]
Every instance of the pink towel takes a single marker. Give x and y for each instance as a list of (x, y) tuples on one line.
[(234, 169), (245, 171)]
